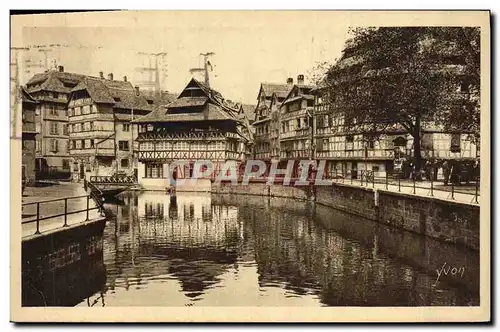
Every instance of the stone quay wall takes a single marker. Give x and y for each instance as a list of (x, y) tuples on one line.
[(444, 220)]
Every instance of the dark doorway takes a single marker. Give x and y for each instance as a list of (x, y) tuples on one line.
[(82, 171)]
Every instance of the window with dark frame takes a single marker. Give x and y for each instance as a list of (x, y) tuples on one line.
[(124, 163), (154, 170), (123, 145), (126, 127)]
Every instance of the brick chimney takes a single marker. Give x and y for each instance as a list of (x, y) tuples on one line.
[(137, 90), (300, 79), (101, 75), (124, 78), (289, 81), (61, 69), (110, 76)]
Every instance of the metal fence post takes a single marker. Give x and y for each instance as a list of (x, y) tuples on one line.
[(361, 179), (373, 179), (37, 218), (452, 191), (87, 208), (399, 182), (477, 187), (432, 187), (65, 212), (386, 180), (414, 180)]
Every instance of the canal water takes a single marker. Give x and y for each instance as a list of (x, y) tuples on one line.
[(208, 250)]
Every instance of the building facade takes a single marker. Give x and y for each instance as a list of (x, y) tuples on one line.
[(348, 151), (28, 138), (52, 89), (198, 125), (101, 137), (266, 123), (296, 130)]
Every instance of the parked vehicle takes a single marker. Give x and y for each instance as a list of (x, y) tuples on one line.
[(463, 171)]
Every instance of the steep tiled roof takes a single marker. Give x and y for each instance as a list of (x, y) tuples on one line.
[(64, 77), (279, 89), (128, 99), (307, 97), (119, 93), (212, 106), (26, 97), (96, 89), (210, 112), (54, 81), (248, 111), (165, 98), (188, 102)]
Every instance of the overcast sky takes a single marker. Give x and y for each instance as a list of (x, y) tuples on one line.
[(250, 47)]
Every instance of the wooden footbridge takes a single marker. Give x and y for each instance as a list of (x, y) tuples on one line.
[(109, 186)]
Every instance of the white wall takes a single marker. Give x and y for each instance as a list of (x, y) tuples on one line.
[(152, 183)]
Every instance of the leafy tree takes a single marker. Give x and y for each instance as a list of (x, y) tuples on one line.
[(399, 78)]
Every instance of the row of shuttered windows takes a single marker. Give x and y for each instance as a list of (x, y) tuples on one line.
[(183, 145)]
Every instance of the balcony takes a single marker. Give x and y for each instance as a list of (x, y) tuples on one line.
[(262, 137), (104, 152), (295, 154), (372, 154), (90, 134), (61, 99), (325, 131), (81, 102), (90, 117), (190, 155), (182, 136), (263, 155), (296, 114), (298, 133)]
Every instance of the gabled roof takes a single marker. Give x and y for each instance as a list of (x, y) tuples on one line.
[(211, 106), (96, 89), (280, 89), (26, 97), (305, 88), (54, 81), (188, 102), (164, 98), (248, 111), (118, 93)]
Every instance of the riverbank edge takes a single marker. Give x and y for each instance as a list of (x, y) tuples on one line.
[(446, 221)]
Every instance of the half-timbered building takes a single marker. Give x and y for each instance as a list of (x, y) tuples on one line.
[(100, 132), (296, 132), (266, 124), (51, 89), (198, 125)]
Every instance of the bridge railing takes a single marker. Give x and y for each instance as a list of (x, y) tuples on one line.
[(114, 179), (39, 217)]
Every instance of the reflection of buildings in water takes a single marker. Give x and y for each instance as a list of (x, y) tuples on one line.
[(187, 238), (304, 257)]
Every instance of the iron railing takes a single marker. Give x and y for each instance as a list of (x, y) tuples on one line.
[(38, 217), (397, 181), (114, 179)]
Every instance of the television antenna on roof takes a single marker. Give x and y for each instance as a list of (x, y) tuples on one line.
[(207, 67)]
